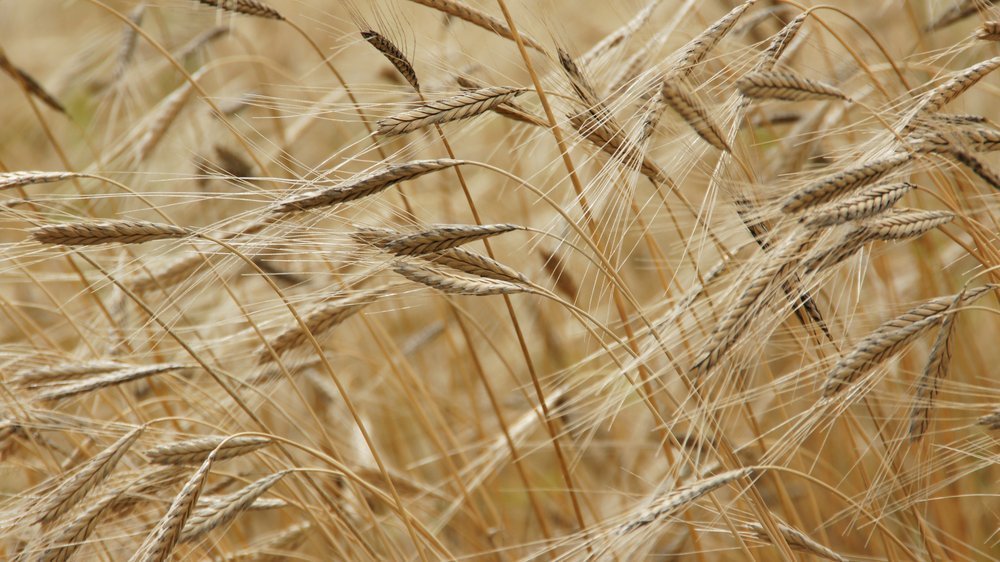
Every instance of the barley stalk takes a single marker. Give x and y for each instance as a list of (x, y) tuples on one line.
[(29, 84), (463, 106), (103, 381), (478, 18), (892, 336), (394, 55), (785, 86), (67, 538), (74, 488), (247, 7), (476, 265), (956, 13), (844, 182), (194, 451), (681, 498), (225, 509), (695, 51), (443, 237), (797, 540), (956, 86), (364, 186), (693, 113), (106, 232), (456, 284), (868, 202), (22, 178), (42, 375), (161, 541), (935, 370), (319, 321), (992, 420)]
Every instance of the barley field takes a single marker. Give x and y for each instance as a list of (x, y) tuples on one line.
[(499, 280)]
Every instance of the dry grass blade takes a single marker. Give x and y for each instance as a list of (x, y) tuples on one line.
[(695, 50), (956, 13), (104, 381), (681, 498), (868, 202), (18, 179), (477, 265), (843, 182), (226, 509), (394, 55), (444, 237), (797, 540), (365, 185), (892, 336), (247, 7), (989, 31), (194, 451), (456, 284), (785, 86), (693, 113), (463, 106), (478, 18), (161, 541), (318, 321), (106, 232), (991, 421), (29, 84), (74, 488), (67, 538), (42, 375), (934, 372)]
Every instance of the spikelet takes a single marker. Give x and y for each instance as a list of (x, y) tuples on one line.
[(867, 203), (70, 536), (74, 488), (906, 223), (164, 116), (977, 166), (18, 179), (463, 106), (785, 86), (110, 379), (613, 141), (200, 40), (797, 540), (443, 237), (194, 451), (683, 497), (617, 37), (892, 336), (456, 284), (319, 320), (364, 186), (934, 372), (128, 42), (394, 55), (780, 43), (844, 182), (247, 7), (695, 114), (160, 543), (224, 510), (106, 232), (981, 139)]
